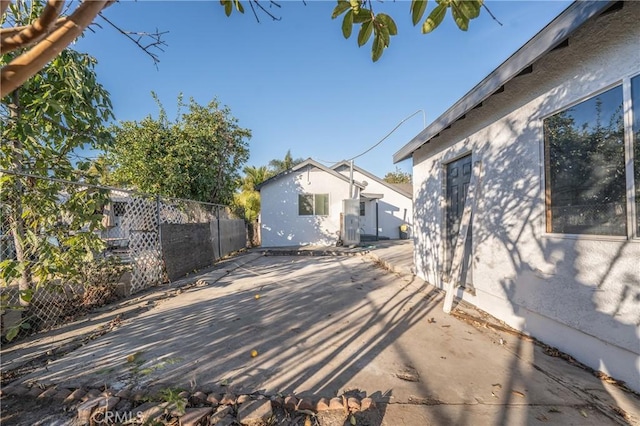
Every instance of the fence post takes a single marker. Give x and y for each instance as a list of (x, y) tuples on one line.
[(219, 236), (160, 251)]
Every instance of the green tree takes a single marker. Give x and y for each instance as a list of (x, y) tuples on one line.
[(247, 202), (197, 156), (53, 31), (43, 122), (278, 166), (398, 176)]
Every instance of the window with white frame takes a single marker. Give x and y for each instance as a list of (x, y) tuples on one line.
[(313, 204), (586, 161)]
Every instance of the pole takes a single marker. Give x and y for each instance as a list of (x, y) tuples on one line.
[(351, 179)]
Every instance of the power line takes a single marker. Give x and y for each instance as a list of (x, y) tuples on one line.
[(383, 139)]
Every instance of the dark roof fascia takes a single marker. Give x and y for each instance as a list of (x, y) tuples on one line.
[(375, 178), (572, 18), (307, 162)]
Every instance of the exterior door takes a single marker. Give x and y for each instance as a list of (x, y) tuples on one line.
[(458, 175)]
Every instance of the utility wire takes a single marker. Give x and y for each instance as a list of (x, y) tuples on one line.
[(381, 140)]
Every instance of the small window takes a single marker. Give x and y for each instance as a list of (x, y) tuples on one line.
[(362, 208), (585, 167), (313, 204)]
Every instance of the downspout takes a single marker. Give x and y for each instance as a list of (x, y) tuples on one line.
[(351, 179)]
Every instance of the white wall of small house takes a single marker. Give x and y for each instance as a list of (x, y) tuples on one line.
[(580, 294), (394, 209), (280, 223)]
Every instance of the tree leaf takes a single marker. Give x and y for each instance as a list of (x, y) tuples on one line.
[(228, 7), (388, 22), (365, 32), (239, 6), (377, 48), (340, 8), (434, 19), (417, 10), (363, 15), (347, 24), (461, 21), (12, 333)]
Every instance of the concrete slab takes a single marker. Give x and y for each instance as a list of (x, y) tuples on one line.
[(327, 325)]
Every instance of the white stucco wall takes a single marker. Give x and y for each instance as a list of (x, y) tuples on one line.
[(280, 224), (581, 294), (394, 209)]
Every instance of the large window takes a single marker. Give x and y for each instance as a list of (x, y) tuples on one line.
[(585, 167), (635, 104), (586, 161), (313, 204)]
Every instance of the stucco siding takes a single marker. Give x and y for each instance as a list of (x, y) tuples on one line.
[(394, 209), (580, 294), (280, 223)]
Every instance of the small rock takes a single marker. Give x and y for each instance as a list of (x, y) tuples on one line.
[(76, 395), (198, 398), (91, 394), (353, 404), (227, 421), (255, 413), (184, 394), (367, 404), (193, 416), (336, 404), (17, 389), (228, 399), (242, 399), (48, 393), (305, 404), (123, 405), (124, 393), (214, 399), (61, 394), (220, 414), (107, 393), (277, 401), (35, 391), (86, 409), (290, 402), (149, 411), (322, 405)]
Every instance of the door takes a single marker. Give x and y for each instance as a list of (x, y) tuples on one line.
[(458, 175)]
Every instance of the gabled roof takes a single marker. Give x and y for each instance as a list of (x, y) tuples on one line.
[(550, 37), (397, 188), (308, 163)]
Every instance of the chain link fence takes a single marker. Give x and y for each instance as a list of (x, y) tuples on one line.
[(144, 245)]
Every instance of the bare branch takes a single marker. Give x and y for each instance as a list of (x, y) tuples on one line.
[(254, 12), (491, 14), (36, 30), (29, 63), (257, 3), (156, 38)]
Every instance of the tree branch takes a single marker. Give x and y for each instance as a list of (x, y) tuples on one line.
[(36, 30), (257, 3), (156, 37), (491, 14), (4, 4), (29, 63)]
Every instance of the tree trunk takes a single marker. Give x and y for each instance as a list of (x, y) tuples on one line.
[(16, 222)]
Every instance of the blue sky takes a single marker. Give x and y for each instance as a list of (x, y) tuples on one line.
[(297, 83)]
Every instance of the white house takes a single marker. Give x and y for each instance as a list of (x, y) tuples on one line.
[(304, 205), (554, 242)]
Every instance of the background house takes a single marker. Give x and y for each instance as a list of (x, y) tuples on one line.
[(554, 243), (304, 205)]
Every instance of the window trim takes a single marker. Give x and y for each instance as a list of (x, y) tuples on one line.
[(632, 232)]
